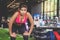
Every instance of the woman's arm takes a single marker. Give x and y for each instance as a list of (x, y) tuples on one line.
[(31, 22), (11, 21)]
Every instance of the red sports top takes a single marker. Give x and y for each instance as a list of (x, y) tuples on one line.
[(18, 19)]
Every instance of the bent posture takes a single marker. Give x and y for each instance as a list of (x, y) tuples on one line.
[(18, 21)]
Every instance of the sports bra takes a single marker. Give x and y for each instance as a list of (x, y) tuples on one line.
[(19, 21)]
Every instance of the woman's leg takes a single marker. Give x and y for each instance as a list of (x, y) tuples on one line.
[(22, 30), (25, 37), (13, 37), (14, 31)]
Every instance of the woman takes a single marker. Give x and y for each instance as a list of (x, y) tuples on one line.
[(19, 19)]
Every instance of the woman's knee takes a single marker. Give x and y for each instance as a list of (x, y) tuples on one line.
[(13, 35)]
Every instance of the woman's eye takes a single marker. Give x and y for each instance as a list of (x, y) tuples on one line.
[(23, 9)]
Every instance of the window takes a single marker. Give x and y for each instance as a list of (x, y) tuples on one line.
[(50, 8)]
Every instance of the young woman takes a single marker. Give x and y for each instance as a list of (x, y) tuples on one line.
[(18, 21)]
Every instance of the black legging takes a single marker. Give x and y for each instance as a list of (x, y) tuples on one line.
[(24, 37), (21, 30)]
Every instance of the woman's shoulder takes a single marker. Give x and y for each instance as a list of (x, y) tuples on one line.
[(28, 13)]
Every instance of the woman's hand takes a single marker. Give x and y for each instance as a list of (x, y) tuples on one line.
[(26, 33), (13, 35)]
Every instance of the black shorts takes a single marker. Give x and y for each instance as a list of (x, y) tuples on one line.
[(19, 28)]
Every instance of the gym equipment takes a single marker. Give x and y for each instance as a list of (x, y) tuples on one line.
[(57, 35), (51, 35), (40, 34), (36, 17)]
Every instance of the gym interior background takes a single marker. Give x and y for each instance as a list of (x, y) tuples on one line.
[(46, 15)]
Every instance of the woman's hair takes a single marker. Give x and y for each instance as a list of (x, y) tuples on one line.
[(23, 5)]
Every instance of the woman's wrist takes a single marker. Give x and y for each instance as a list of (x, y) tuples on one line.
[(29, 33)]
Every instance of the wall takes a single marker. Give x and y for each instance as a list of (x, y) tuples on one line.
[(36, 9)]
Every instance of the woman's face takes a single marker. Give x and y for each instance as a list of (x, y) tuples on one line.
[(23, 10)]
